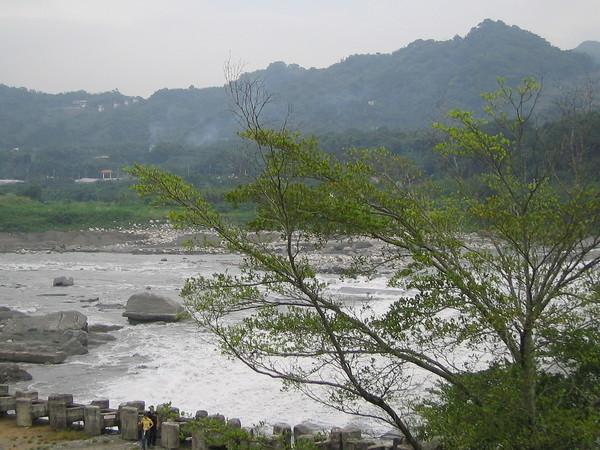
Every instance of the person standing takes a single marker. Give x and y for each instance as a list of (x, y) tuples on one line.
[(153, 429), (146, 424)]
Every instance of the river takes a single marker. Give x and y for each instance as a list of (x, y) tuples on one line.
[(154, 362)]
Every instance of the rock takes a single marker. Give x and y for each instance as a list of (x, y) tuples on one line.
[(32, 355), (7, 313), (101, 328), (105, 306), (74, 342), (54, 322), (96, 339), (63, 281), (12, 373), (98, 334), (434, 444), (50, 338), (146, 307), (306, 429)]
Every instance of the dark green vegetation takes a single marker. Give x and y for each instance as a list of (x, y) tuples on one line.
[(24, 214), (193, 131), (62, 206), (502, 257)]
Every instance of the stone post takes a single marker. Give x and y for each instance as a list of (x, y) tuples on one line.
[(349, 434), (345, 438), (198, 440), (169, 437), (303, 430), (235, 424), (285, 430), (27, 394), (139, 404), (103, 403), (24, 410), (129, 419), (219, 417), (57, 410), (92, 420), (7, 402), (335, 439)]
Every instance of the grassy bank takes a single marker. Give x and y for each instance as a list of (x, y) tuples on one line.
[(24, 214)]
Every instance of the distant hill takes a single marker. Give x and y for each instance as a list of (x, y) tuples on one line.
[(404, 90), (591, 48), (412, 86)]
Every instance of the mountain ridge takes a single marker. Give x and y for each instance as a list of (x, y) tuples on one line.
[(406, 89)]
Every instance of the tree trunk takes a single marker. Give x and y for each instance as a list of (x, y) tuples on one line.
[(528, 384)]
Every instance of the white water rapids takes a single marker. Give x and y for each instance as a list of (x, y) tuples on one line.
[(155, 362)]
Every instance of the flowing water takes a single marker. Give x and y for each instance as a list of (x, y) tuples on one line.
[(155, 362)]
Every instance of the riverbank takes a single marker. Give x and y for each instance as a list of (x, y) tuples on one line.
[(41, 437)]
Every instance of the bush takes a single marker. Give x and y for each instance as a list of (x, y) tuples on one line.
[(566, 417)]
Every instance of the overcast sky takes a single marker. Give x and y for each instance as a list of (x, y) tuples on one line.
[(140, 46)]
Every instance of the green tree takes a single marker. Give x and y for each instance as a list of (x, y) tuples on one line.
[(501, 275), (34, 192)]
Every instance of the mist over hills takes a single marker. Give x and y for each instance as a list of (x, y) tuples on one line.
[(407, 89), (591, 48)]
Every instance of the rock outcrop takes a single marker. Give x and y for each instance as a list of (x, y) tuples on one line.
[(146, 307), (57, 322), (46, 339)]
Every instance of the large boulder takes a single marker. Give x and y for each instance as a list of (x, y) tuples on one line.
[(146, 307), (50, 338), (49, 323)]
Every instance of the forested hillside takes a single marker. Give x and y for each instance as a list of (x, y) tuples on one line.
[(78, 134)]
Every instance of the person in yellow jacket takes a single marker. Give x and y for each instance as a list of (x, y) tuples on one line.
[(146, 424)]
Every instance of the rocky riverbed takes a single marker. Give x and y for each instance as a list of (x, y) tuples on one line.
[(156, 238), (162, 238)]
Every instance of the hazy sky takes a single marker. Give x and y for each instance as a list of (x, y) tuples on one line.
[(140, 46)]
